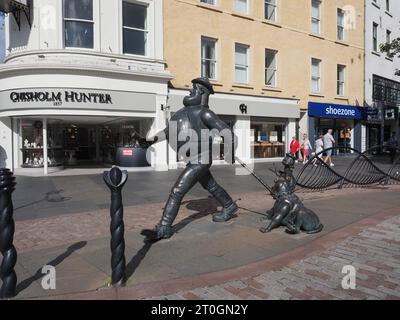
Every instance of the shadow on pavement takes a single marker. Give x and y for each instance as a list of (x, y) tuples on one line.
[(51, 196), (203, 207), (57, 261), (139, 256)]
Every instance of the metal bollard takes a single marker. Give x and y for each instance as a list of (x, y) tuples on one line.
[(7, 228), (115, 180)]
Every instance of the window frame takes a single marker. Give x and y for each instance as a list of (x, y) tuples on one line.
[(319, 19), (148, 45), (92, 22), (247, 7), (375, 36), (276, 10), (340, 27), (246, 66), (319, 78), (214, 2), (341, 83), (215, 60), (275, 85)]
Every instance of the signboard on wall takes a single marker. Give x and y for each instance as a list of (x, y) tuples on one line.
[(61, 98), (330, 110)]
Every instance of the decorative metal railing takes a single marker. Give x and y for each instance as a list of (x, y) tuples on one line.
[(378, 165)]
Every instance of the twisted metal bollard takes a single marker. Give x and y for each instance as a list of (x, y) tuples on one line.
[(115, 180), (7, 228)]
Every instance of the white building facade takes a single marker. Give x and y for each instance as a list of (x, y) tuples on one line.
[(80, 76), (382, 86)]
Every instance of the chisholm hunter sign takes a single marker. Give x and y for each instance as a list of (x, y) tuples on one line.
[(57, 98), (32, 100)]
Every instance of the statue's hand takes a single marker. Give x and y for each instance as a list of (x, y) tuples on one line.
[(141, 140)]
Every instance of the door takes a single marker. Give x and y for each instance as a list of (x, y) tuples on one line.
[(344, 128)]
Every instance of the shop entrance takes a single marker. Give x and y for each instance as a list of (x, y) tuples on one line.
[(342, 131), (79, 142)]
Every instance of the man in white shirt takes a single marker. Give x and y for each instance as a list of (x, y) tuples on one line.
[(328, 143), (319, 147)]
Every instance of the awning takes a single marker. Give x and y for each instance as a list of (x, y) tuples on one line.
[(241, 105)]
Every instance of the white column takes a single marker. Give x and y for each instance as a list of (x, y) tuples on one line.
[(243, 132), (45, 150), (290, 132), (160, 157), (303, 123), (18, 142), (352, 136), (6, 147)]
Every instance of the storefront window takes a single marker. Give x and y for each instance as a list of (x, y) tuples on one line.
[(32, 148), (269, 139), (74, 143), (119, 135)]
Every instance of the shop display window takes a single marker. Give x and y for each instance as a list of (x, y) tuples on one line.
[(268, 139), (120, 135), (32, 148), (72, 143)]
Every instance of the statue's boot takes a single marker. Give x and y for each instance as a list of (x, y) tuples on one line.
[(164, 228), (226, 214), (229, 207)]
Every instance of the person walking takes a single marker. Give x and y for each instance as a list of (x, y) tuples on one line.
[(319, 148), (328, 144), (307, 148), (294, 148)]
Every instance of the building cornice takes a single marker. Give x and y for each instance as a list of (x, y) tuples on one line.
[(237, 96), (22, 69), (130, 58)]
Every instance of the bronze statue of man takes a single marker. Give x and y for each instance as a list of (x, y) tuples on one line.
[(194, 121)]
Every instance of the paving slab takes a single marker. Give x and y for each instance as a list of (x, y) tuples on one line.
[(201, 247)]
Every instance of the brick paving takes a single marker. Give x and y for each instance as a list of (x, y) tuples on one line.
[(203, 255), (66, 229), (374, 252)]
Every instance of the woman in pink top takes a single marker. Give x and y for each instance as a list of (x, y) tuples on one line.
[(306, 148)]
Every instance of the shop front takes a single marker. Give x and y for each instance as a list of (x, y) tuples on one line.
[(51, 129), (344, 120), (383, 117), (263, 125), (76, 142)]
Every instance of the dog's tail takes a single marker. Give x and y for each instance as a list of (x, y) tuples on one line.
[(319, 229)]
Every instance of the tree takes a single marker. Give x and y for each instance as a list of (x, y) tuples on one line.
[(392, 49)]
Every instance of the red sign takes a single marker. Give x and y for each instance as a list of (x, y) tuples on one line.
[(127, 152)]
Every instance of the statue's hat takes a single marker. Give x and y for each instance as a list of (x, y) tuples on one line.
[(204, 82)]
